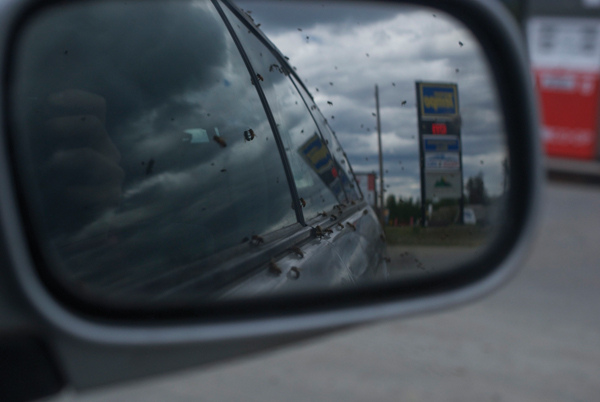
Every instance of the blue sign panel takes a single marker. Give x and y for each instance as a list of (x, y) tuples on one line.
[(317, 156), (439, 100), (441, 145)]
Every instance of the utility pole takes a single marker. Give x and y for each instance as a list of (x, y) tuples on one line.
[(381, 206)]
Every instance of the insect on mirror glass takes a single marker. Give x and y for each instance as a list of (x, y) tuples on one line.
[(180, 152)]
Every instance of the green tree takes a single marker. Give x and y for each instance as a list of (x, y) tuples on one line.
[(403, 209), (390, 202), (475, 187)]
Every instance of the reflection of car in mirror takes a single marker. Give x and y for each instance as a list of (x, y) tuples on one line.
[(176, 231)]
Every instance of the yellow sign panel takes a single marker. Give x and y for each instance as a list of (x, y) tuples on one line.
[(438, 100)]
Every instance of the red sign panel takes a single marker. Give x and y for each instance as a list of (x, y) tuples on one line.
[(439, 128), (565, 56), (366, 182), (371, 185), (569, 108)]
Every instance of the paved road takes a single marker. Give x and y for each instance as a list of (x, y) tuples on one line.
[(538, 339), (408, 259)]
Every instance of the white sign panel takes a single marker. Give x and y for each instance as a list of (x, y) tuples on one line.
[(571, 43), (366, 182), (442, 161), (442, 185)]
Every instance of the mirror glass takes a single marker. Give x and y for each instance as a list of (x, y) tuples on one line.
[(168, 152)]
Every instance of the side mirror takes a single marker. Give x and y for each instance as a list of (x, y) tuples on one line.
[(184, 182)]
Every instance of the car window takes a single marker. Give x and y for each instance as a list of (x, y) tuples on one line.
[(147, 149), (341, 161), (312, 164)]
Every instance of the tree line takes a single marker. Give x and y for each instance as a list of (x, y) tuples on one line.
[(403, 209)]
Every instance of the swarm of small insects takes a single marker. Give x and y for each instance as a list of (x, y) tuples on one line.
[(297, 250), (323, 213), (365, 212), (294, 273), (328, 231), (302, 202), (333, 217), (257, 240), (350, 225), (340, 225), (318, 232), (274, 268), (220, 141), (260, 78), (249, 135)]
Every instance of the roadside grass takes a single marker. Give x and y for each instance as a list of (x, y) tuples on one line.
[(467, 236)]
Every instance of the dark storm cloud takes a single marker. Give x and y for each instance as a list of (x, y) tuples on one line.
[(282, 16), (128, 53)]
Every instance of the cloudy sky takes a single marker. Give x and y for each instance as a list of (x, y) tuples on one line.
[(355, 47)]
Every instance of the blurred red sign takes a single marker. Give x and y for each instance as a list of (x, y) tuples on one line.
[(569, 109), (565, 56), (439, 128), (371, 185), (366, 182)]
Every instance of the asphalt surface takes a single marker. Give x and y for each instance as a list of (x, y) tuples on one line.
[(425, 259), (536, 339)]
